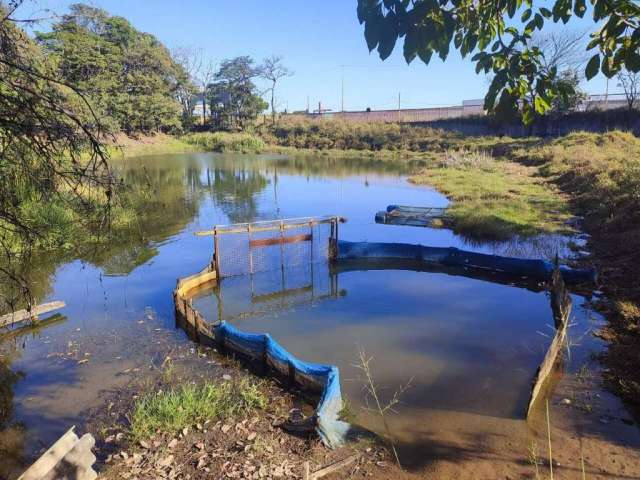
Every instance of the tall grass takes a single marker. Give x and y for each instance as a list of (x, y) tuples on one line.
[(189, 404), (324, 134), (226, 142)]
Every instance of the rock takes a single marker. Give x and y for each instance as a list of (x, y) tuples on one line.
[(199, 446), (566, 401), (252, 436), (173, 443), (144, 444), (226, 377)]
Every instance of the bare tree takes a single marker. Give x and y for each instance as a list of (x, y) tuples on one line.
[(272, 70), (201, 71), (564, 49), (190, 59), (630, 83), (205, 78)]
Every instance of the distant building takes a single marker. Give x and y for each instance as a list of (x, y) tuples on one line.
[(197, 107)]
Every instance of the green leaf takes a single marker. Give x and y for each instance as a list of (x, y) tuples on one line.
[(592, 67), (410, 49), (526, 15), (539, 21), (580, 8), (546, 13), (372, 33), (632, 61), (541, 105), (527, 114)]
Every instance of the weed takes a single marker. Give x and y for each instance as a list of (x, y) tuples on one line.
[(173, 410), (372, 391)]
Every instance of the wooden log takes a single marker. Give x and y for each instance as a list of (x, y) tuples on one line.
[(21, 315)]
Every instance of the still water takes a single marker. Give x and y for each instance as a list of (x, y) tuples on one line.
[(466, 348)]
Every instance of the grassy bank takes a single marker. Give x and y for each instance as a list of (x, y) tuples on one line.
[(495, 198), (601, 174)]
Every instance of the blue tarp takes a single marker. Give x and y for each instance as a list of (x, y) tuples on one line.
[(449, 256), (322, 378)]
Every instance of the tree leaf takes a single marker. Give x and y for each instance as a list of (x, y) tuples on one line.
[(410, 49), (592, 67)]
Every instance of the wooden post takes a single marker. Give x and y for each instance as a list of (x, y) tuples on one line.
[(250, 250), (282, 252), (216, 247)]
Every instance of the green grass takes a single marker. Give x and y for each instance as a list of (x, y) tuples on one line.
[(225, 142), (190, 404), (495, 198)]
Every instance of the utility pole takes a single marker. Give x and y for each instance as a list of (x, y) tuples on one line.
[(307, 103), (342, 90)]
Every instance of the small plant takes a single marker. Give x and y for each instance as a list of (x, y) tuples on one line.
[(189, 404), (371, 391)]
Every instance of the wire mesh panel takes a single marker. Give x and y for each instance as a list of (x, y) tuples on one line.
[(238, 298), (251, 248)]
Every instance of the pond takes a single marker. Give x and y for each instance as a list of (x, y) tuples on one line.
[(465, 347)]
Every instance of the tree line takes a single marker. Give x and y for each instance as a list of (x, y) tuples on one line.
[(136, 85)]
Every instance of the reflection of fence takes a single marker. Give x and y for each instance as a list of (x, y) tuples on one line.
[(240, 297)]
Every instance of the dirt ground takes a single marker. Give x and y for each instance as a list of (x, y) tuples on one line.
[(589, 429)]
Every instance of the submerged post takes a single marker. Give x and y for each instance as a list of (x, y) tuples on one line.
[(216, 252)]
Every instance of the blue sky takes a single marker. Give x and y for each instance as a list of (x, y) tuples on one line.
[(315, 38)]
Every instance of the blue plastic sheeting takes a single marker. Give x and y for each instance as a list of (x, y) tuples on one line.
[(322, 378), (539, 269)]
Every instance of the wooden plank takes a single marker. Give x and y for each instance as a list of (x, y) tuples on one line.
[(561, 305), (268, 225), (51, 457), (21, 315), (265, 242), (328, 470), (31, 328)]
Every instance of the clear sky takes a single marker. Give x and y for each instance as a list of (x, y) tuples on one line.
[(316, 38)]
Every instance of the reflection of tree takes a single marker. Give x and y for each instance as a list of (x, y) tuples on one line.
[(8, 379), (234, 191), (336, 167), (11, 438), (165, 199)]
